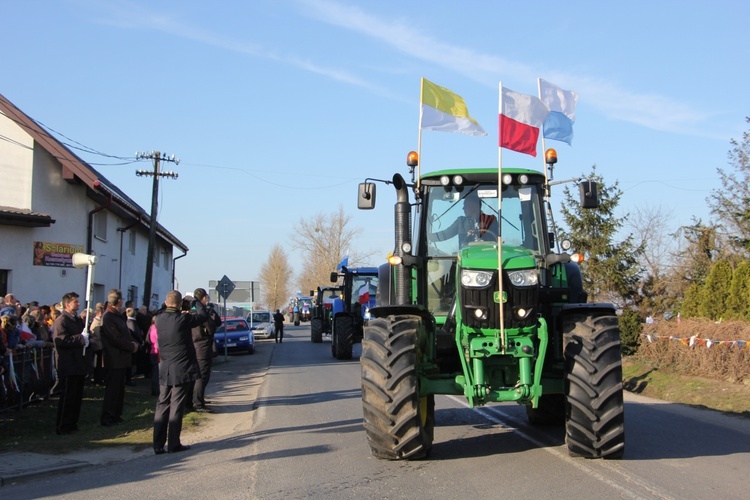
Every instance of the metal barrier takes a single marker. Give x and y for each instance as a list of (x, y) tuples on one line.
[(29, 377)]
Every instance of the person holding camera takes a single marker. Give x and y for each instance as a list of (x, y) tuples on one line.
[(203, 340), (178, 369)]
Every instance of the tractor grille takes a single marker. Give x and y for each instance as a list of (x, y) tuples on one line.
[(527, 298)]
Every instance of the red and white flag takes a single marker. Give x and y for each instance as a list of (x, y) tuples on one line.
[(364, 294), (521, 120)]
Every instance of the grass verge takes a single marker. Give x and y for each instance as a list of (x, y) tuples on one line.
[(640, 378), (32, 429)]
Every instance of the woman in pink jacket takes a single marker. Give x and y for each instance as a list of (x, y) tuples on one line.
[(153, 339)]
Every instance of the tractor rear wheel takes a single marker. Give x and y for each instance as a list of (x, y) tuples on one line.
[(398, 423), (594, 416), (316, 330), (344, 338)]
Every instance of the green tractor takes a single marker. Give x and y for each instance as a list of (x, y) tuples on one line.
[(477, 302), (320, 323)]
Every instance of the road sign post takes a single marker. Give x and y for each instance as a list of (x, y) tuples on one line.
[(224, 287)]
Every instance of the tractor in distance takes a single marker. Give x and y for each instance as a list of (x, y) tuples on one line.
[(300, 308), (320, 323), (480, 300), (350, 311)]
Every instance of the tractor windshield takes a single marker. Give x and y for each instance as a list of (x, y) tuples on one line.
[(457, 216)]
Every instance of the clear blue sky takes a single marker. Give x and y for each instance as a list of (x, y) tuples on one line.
[(277, 109)]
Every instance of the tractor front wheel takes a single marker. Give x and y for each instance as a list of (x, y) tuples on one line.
[(316, 330), (594, 411), (398, 423)]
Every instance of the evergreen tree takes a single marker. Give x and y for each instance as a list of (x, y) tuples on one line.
[(738, 303), (610, 269), (691, 301), (715, 293), (730, 204)]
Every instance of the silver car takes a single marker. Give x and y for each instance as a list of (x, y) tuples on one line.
[(261, 323)]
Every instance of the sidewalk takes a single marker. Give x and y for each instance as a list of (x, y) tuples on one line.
[(234, 383)]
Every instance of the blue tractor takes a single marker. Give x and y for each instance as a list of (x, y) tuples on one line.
[(350, 311)]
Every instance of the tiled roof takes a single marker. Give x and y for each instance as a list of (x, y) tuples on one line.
[(19, 217)]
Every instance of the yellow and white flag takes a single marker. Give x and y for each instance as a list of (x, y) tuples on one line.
[(444, 111)]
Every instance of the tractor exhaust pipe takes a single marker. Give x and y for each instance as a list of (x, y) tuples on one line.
[(402, 218)]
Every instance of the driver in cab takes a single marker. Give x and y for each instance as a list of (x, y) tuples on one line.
[(472, 226)]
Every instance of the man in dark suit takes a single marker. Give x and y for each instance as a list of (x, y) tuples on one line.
[(203, 340), (178, 369), (71, 366), (118, 346)]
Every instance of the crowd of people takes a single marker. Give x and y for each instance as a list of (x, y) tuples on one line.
[(173, 346)]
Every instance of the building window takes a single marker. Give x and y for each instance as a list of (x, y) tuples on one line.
[(4, 282), (166, 260), (133, 294), (100, 225), (131, 242)]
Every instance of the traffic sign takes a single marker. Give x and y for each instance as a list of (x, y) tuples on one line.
[(224, 287)]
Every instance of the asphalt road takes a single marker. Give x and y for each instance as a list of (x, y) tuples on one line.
[(303, 438)]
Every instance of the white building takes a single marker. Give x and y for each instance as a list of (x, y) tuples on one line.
[(53, 204)]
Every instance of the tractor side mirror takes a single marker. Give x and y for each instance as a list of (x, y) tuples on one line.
[(334, 277), (589, 196), (551, 238), (366, 196)]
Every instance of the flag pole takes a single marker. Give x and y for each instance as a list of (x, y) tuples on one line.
[(500, 218), (544, 147), (419, 138), (545, 169)]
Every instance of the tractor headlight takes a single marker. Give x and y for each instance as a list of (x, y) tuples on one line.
[(475, 279), (525, 277)]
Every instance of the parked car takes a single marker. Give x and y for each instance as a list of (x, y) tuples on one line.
[(261, 323), (239, 336)]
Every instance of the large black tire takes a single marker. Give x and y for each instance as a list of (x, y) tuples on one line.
[(316, 330), (343, 325), (296, 319), (398, 423), (551, 410), (594, 410)]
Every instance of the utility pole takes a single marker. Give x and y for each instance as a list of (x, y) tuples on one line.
[(157, 157)]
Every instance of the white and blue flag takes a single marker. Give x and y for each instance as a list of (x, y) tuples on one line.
[(558, 125)]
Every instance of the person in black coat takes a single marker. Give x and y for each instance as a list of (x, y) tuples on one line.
[(118, 346), (178, 369), (203, 340), (71, 365), (278, 326)]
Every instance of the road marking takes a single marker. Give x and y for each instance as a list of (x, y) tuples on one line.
[(494, 415)]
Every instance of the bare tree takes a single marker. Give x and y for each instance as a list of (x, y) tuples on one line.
[(650, 232), (324, 239), (275, 276)]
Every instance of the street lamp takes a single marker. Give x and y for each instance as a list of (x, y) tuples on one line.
[(81, 260)]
